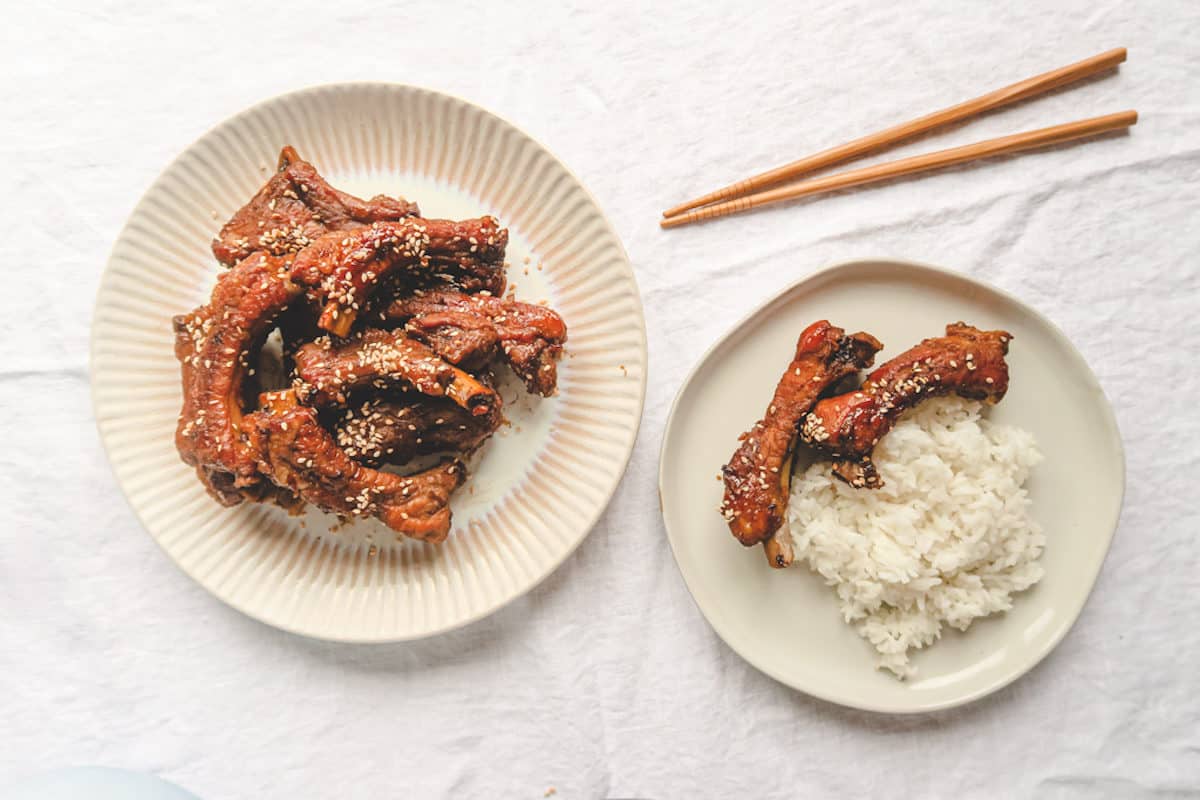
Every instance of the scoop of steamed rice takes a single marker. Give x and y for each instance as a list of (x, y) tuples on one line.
[(947, 539)]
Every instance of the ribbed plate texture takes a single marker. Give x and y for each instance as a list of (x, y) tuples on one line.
[(536, 489)]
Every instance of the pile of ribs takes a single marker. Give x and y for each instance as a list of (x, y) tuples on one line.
[(813, 404), (392, 328)]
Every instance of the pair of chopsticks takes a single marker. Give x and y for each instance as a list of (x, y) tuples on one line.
[(754, 192)]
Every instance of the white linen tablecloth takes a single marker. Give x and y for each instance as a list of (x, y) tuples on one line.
[(606, 681)]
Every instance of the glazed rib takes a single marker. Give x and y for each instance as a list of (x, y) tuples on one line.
[(758, 476), (212, 343), (295, 207), (966, 361), (467, 329), (330, 372), (393, 430), (340, 270), (300, 455)]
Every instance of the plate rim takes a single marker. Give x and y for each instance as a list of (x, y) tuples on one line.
[(608, 494), (848, 700)]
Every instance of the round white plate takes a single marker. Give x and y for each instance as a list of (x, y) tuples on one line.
[(536, 489), (786, 622)]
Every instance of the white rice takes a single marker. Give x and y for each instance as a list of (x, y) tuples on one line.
[(946, 540)]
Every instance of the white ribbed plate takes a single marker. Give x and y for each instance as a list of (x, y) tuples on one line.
[(536, 489)]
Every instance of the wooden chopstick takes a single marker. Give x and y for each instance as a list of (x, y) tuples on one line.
[(1030, 87), (907, 166)]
